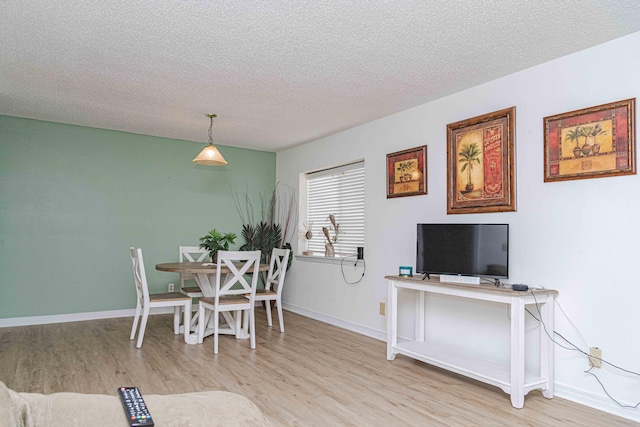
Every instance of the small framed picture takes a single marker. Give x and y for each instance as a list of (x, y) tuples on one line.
[(407, 172), (593, 142), (481, 163)]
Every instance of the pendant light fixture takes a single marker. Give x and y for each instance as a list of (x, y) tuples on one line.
[(210, 155)]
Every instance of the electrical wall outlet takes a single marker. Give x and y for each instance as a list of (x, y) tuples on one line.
[(383, 309), (171, 287), (595, 357)]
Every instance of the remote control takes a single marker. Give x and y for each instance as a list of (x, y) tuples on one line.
[(134, 407)]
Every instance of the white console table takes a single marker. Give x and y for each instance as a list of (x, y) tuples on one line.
[(513, 379)]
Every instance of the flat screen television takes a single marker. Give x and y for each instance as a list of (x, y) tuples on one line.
[(463, 249)]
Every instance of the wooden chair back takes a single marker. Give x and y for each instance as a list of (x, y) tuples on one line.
[(277, 270), (139, 275), (193, 254), (241, 265)]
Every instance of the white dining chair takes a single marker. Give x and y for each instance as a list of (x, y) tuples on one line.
[(275, 282), (191, 254), (233, 294), (145, 301)]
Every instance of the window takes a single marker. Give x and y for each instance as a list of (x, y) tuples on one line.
[(337, 191)]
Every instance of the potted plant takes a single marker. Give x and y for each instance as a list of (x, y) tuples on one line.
[(586, 133), (277, 225), (574, 136), (597, 130), (215, 240)]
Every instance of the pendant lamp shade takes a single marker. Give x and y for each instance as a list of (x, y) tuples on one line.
[(210, 156)]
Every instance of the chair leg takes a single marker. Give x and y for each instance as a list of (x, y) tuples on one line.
[(187, 320), (267, 305), (201, 323), (216, 322), (143, 326), (176, 320), (136, 319), (280, 317), (252, 326), (238, 321)]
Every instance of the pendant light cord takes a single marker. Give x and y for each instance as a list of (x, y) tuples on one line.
[(211, 116)]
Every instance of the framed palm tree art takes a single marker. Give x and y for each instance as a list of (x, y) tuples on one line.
[(480, 164), (593, 142)]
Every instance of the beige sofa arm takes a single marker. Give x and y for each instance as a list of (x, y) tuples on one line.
[(211, 408)]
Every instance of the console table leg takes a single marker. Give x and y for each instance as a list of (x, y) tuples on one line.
[(517, 352), (517, 401), (392, 320), (420, 316), (546, 345)]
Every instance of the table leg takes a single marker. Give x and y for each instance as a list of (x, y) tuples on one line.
[(189, 338), (230, 328), (517, 352), (207, 285), (392, 320), (420, 316), (205, 282), (546, 345)]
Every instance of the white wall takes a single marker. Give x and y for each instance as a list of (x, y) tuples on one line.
[(579, 237)]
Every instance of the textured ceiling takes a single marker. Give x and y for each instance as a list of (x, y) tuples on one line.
[(277, 73)]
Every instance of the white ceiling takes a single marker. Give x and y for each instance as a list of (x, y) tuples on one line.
[(277, 73)]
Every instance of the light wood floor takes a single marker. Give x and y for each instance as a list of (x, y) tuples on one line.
[(312, 375)]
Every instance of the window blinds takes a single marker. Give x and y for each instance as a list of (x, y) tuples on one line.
[(338, 191)]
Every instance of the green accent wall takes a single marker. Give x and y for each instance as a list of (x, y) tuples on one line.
[(74, 199)]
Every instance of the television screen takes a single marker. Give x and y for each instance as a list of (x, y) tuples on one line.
[(465, 249)]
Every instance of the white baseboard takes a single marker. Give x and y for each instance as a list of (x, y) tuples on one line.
[(354, 327), (76, 317), (601, 403)]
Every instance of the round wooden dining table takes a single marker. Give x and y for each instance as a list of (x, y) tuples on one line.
[(204, 273), (205, 276)]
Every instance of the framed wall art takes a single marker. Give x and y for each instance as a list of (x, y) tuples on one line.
[(590, 143), (407, 172), (480, 164)]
